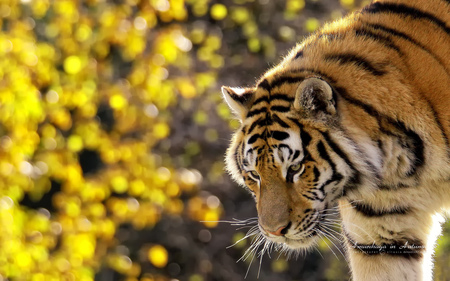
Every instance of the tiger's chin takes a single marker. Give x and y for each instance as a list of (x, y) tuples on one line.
[(295, 243), (301, 243)]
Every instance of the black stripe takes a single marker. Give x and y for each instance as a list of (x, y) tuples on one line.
[(278, 135), (362, 63), (261, 99), (253, 138), (406, 37), (260, 150), (300, 128), (244, 130), (256, 112), (338, 150), (404, 10), (238, 157), (278, 96), (280, 108), (264, 84), (279, 81), (344, 156), (311, 219), (315, 194), (355, 178), (438, 122), (285, 80), (242, 98), (316, 173), (413, 41), (413, 140), (337, 178), (279, 121), (368, 211), (254, 124), (238, 164), (265, 121), (295, 155), (296, 122), (290, 177), (305, 137), (405, 248), (306, 218), (392, 186), (415, 143), (298, 55), (325, 156), (285, 146), (384, 40)]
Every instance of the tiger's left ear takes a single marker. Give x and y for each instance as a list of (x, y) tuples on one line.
[(314, 96), (238, 99)]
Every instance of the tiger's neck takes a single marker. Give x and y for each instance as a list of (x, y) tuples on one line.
[(391, 221)]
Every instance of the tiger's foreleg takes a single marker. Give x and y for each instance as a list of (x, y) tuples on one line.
[(392, 245)]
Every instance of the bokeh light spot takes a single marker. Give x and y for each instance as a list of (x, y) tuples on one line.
[(23, 259), (117, 101), (279, 265), (218, 11), (211, 218), (312, 24), (72, 64), (158, 256), (75, 143), (161, 130), (52, 96), (119, 184)]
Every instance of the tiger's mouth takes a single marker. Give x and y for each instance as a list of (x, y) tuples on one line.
[(297, 242), (304, 234), (302, 243)]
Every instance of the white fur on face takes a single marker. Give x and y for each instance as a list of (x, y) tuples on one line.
[(283, 153)]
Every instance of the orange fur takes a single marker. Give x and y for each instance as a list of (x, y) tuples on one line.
[(363, 105)]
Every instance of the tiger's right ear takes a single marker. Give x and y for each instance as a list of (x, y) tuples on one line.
[(238, 99), (314, 97)]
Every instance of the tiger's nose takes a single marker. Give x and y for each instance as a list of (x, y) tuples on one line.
[(280, 231)]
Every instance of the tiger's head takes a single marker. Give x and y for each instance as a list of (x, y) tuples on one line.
[(288, 154)]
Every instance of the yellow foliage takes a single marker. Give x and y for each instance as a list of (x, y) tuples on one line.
[(87, 98)]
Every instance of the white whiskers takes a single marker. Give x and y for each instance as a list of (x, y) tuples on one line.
[(327, 229)]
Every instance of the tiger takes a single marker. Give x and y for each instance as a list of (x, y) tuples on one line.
[(356, 117)]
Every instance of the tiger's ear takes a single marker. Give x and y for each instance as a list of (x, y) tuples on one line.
[(238, 99), (314, 96)]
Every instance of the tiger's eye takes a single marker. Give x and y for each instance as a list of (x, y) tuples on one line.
[(296, 167), (254, 174)]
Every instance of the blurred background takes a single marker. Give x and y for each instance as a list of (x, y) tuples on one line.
[(113, 133)]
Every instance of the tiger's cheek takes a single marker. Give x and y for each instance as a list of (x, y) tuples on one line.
[(252, 187)]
